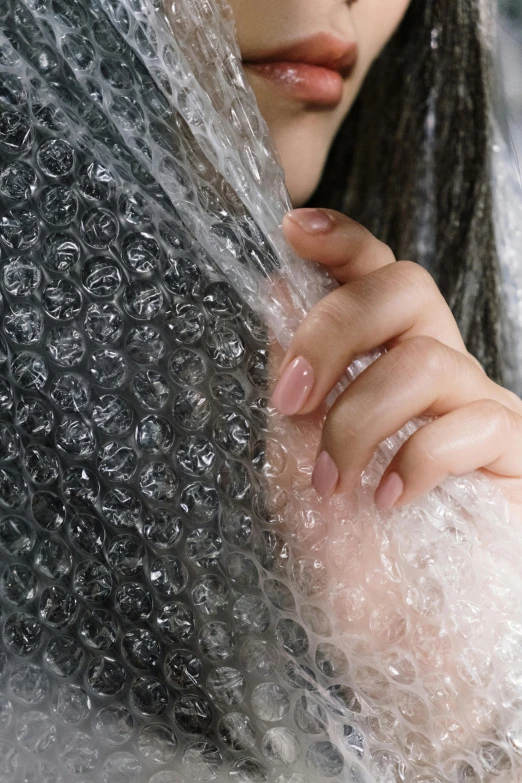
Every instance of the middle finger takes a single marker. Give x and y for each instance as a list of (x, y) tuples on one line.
[(420, 376), (395, 302)]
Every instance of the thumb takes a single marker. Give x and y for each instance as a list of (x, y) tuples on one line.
[(341, 244)]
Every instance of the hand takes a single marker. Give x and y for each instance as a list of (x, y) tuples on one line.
[(382, 302)]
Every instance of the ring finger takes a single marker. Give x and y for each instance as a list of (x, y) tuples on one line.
[(484, 434), (419, 376)]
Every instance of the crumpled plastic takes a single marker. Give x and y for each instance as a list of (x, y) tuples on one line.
[(177, 603)]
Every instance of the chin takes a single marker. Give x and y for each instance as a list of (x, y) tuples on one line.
[(301, 189), (303, 156), (302, 139)]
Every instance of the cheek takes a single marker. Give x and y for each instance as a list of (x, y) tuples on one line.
[(375, 22)]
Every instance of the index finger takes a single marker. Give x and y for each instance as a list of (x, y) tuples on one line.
[(341, 244)]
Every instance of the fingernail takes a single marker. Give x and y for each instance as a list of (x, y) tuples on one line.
[(293, 387), (389, 491), (313, 221), (325, 476)]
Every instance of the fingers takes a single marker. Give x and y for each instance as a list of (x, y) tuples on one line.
[(426, 370), (419, 376), (385, 307), (482, 434), (335, 240)]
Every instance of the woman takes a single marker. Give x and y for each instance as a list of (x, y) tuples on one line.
[(129, 406), (350, 92)]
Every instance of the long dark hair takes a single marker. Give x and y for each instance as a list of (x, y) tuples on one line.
[(412, 163)]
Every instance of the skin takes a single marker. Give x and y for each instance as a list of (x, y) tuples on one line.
[(380, 302), (304, 133), (426, 370)]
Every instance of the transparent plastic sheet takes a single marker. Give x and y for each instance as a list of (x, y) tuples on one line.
[(177, 604)]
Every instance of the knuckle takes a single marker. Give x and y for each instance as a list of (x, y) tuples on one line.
[(376, 250), (422, 449), (513, 400), (475, 361), (330, 315), (496, 415), (423, 354), (385, 252), (415, 276), (329, 318), (310, 334), (345, 425)]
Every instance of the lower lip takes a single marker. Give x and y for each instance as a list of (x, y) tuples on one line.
[(310, 83)]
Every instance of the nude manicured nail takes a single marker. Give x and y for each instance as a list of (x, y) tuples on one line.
[(313, 221), (325, 476), (293, 387), (389, 491)]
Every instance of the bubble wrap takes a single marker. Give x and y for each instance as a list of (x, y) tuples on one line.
[(177, 604)]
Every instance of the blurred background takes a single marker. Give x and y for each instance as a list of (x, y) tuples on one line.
[(510, 53)]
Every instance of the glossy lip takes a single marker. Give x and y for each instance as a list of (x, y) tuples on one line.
[(312, 69)]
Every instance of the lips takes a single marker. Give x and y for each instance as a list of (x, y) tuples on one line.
[(312, 70), (303, 82)]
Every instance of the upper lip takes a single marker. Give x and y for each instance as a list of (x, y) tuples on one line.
[(323, 49)]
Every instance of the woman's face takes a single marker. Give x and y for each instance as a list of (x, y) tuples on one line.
[(306, 61)]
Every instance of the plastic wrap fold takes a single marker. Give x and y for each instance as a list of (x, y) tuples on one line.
[(177, 604)]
